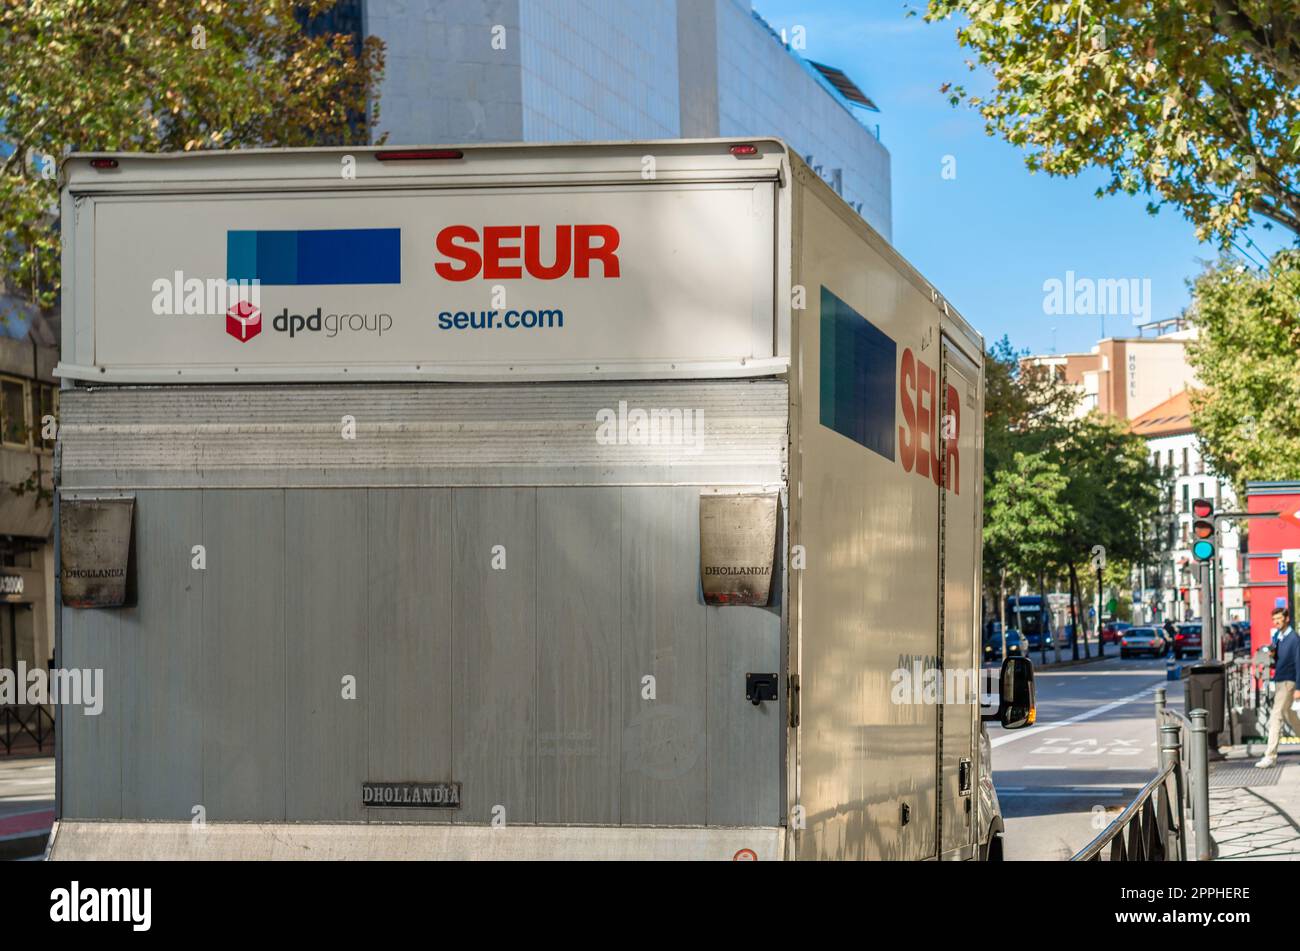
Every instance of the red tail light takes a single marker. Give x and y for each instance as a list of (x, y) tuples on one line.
[(416, 155), (740, 151)]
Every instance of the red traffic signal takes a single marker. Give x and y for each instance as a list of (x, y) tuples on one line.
[(1202, 508)]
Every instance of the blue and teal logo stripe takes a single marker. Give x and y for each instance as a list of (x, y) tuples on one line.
[(858, 377), (324, 256)]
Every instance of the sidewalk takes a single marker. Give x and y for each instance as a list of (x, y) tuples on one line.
[(26, 805), (1254, 812)]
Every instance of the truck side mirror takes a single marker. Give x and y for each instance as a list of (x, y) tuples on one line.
[(1016, 701)]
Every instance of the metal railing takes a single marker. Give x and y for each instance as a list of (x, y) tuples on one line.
[(1249, 697), (1153, 827), (15, 721)]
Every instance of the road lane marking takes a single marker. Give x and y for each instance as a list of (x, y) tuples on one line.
[(1077, 718)]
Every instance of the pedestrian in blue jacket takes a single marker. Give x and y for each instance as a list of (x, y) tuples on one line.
[(1286, 670)]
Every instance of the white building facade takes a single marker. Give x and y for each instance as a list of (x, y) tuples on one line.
[(461, 71), (1170, 587)]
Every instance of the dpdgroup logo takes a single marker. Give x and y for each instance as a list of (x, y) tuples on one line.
[(243, 321), (315, 258), (330, 324)]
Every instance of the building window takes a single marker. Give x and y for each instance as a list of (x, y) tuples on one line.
[(1185, 471), (1186, 501), (13, 412)]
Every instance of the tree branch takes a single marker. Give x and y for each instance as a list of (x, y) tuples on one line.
[(1271, 43)]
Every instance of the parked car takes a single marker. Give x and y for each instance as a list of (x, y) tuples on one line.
[(1111, 631), (1143, 640), (1187, 640), (1017, 644)]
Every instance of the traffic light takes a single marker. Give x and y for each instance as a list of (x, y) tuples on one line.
[(1203, 529)]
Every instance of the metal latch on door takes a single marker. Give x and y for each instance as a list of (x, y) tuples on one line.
[(760, 687)]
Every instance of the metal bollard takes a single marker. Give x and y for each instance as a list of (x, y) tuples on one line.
[(1171, 745), (1171, 749), (1160, 719), (1200, 782)]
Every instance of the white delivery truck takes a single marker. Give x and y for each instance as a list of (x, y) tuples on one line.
[(599, 501)]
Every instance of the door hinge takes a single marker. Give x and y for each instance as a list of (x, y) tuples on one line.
[(793, 681)]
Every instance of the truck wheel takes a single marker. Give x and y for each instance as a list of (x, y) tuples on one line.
[(992, 851)]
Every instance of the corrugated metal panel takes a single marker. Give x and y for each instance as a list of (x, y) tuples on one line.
[(522, 679), (541, 434), (159, 673)]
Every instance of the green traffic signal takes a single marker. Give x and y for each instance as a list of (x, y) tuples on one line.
[(1203, 529)]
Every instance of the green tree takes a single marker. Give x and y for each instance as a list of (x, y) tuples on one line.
[(1026, 506), (162, 76), (1114, 489), (1057, 487), (1026, 410), (1023, 509), (1194, 103), (1026, 407), (1113, 484), (1247, 360)]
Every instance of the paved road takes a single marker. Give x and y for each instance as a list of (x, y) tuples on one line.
[(26, 804), (1093, 747)]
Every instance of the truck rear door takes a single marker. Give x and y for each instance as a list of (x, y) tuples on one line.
[(959, 513)]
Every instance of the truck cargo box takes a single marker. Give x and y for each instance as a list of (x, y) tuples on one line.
[(511, 501)]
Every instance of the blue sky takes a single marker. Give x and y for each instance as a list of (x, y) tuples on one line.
[(989, 238)]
